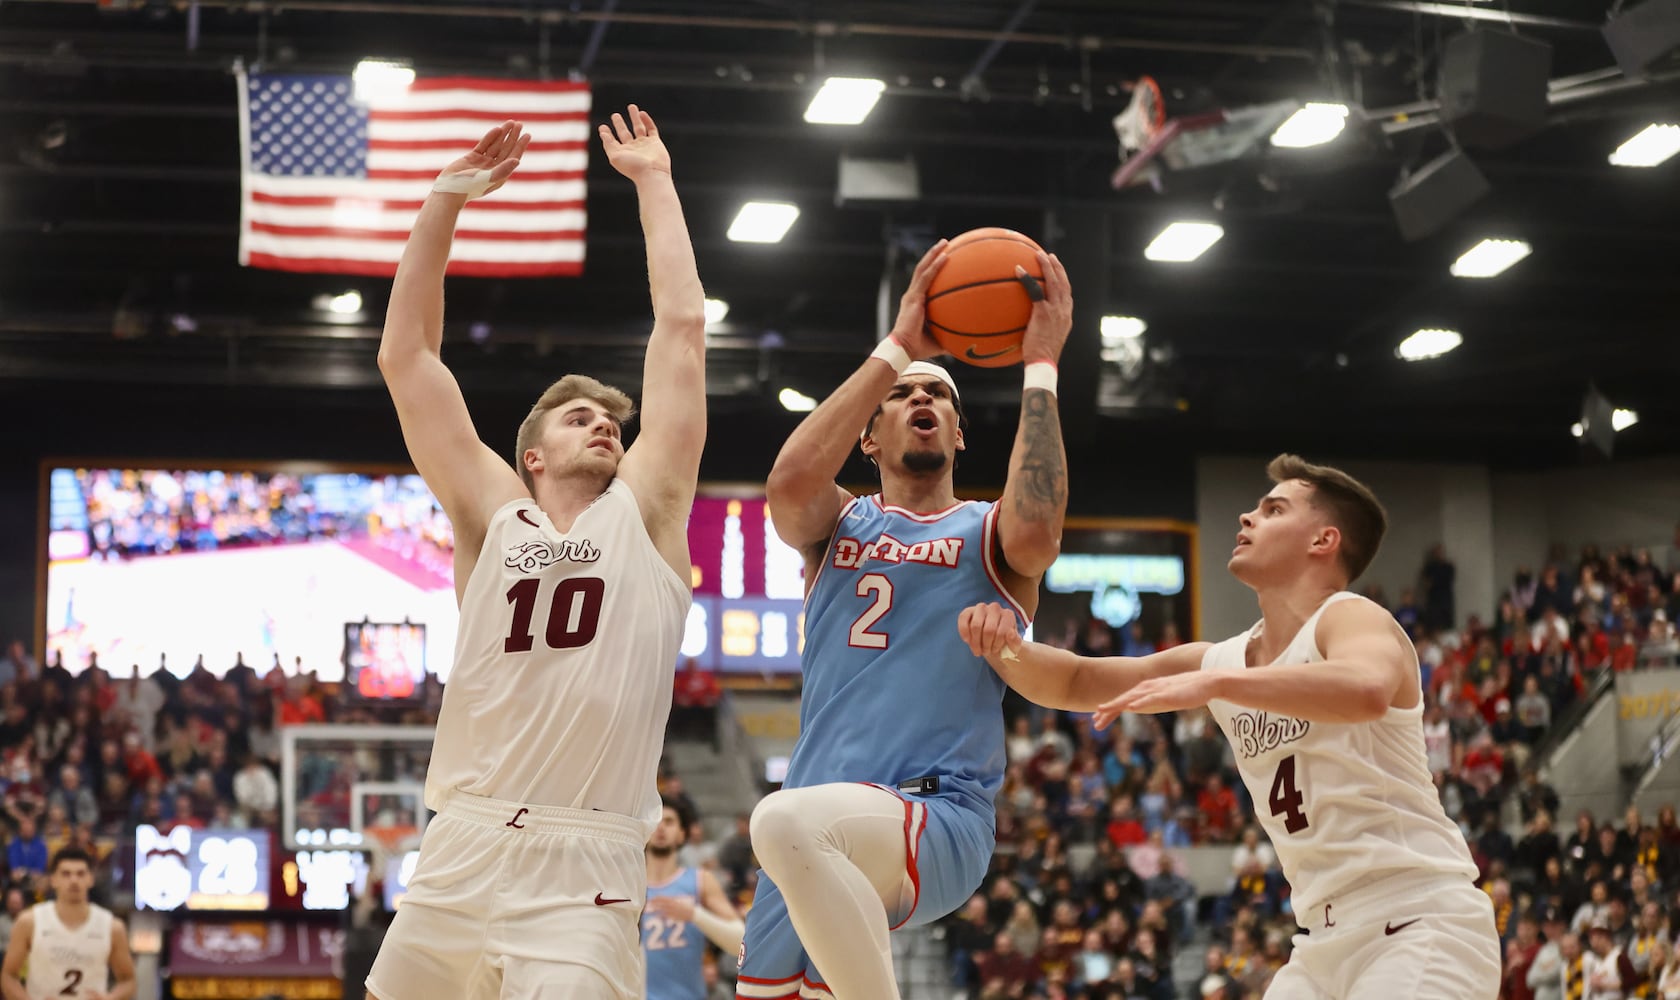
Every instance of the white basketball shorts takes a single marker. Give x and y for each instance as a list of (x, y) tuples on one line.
[(1399, 939), (522, 902)]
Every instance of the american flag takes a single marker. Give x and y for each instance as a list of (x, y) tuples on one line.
[(332, 184)]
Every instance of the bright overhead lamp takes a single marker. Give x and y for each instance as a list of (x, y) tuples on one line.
[(1490, 257), (1577, 429), (1184, 241), (376, 78), (1650, 147), (1117, 328), (763, 222), (795, 401), (844, 100), (1426, 344), (1313, 125), (716, 310), (1621, 419), (343, 304)]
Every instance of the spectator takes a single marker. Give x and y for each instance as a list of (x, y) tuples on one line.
[(15, 905), (1533, 711), (1439, 604), (694, 702), (735, 854), (1217, 807), (26, 855), (77, 801), (255, 790), (1004, 967)]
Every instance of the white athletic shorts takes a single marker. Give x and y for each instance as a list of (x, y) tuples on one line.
[(521, 902), (1417, 940)]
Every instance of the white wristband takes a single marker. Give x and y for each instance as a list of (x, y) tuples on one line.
[(472, 185), (1040, 375), (893, 353)]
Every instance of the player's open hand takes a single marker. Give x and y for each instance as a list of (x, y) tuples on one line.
[(633, 147), (490, 163), (989, 630), (1052, 316), (1174, 693), (680, 908), (910, 329)]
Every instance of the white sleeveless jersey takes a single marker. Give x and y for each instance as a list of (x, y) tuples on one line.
[(66, 963), (1344, 804), (564, 664)]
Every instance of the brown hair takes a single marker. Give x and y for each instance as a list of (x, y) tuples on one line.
[(69, 852), (614, 401), (1352, 507)]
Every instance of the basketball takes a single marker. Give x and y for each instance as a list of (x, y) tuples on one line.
[(977, 308)]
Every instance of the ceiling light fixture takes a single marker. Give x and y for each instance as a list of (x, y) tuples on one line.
[(844, 100)]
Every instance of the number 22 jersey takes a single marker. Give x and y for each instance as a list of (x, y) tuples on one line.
[(564, 663), (1342, 803)]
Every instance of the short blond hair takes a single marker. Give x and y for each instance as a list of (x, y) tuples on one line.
[(1353, 508), (613, 400)]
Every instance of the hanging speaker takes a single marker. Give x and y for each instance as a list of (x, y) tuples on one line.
[(1644, 35), (1493, 87), (1431, 197)]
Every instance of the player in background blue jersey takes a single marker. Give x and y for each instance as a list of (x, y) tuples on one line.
[(686, 907), (885, 818)]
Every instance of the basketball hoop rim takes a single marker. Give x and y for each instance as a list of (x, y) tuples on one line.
[(1158, 117)]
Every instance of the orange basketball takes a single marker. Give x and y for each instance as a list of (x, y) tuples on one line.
[(977, 308)]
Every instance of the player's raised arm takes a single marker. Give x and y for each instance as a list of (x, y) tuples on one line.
[(663, 464), (1059, 678), (468, 478), (1034, 503), (17, 956), (804, 500)]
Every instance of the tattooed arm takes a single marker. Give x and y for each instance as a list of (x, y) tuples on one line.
[(1029, 520)]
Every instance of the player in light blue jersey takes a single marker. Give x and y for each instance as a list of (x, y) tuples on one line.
[(686, 907), (885, 818)]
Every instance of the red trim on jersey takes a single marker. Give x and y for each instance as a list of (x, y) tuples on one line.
[(809, 985), (987, 531), (927, 518), (828, 552), (780, 996), (769, 982)]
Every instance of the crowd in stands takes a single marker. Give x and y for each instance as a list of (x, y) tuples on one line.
[(1088, 895)]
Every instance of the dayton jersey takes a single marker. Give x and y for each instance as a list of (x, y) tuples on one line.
[(891, 691), (563, 664), (674, 947), (66, 963), (1343, 803)]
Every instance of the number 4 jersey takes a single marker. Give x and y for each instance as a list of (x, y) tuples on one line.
[(891, 691), (1342, 803), (564, 663), (69, 962)]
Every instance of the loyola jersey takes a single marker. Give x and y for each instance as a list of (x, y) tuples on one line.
[(69, 963), (563, 664), (891, 691), (1343, 803), (674, 948)]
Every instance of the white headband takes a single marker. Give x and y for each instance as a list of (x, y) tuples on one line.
[(929, 368)]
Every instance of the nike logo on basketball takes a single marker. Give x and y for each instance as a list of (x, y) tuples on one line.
[(1394, 929), (974, 355), (599, 901)]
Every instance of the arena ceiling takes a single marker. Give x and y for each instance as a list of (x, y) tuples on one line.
[(119, 191)]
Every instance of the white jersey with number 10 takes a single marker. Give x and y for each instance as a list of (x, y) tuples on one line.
[(1342, 803), (563, 664)]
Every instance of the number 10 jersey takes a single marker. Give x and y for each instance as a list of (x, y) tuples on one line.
[(1342, 803), (564, 663)]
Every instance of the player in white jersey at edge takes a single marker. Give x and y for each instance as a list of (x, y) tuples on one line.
[(1322, 703), (72, 947), (572, 577)]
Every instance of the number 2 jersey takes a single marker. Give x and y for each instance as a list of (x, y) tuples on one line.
[(891, 690), (564, 663), (69, 962), (1343, 804)]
